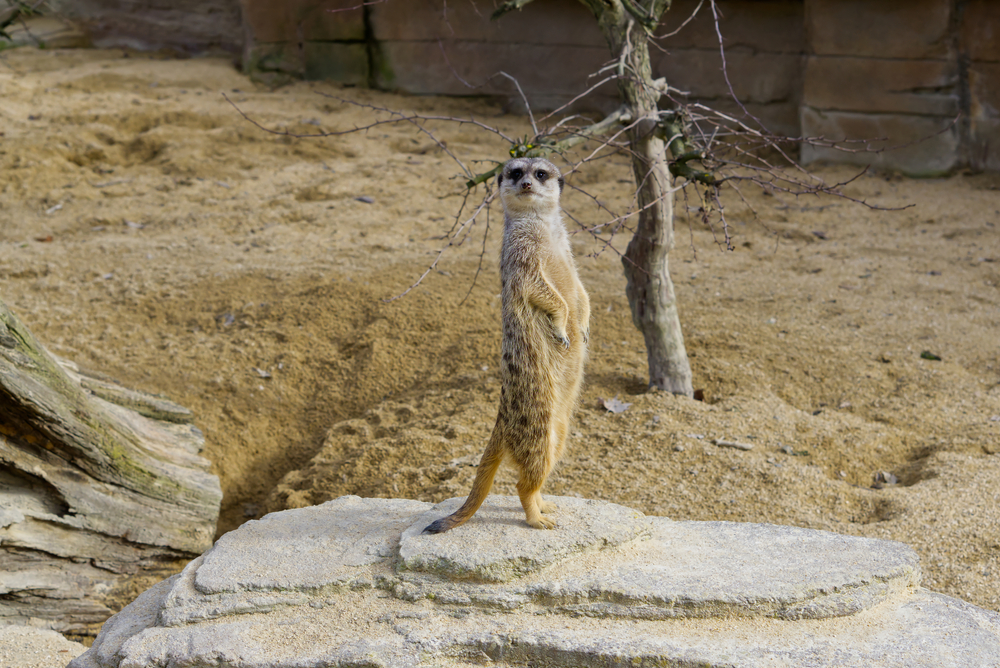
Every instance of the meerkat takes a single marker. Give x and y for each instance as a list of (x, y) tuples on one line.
[(546, 316)]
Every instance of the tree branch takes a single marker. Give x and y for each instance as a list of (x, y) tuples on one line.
[(508, 6), (529, 150)]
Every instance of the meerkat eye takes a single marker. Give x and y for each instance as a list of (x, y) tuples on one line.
[(516, 174), (541, 174)]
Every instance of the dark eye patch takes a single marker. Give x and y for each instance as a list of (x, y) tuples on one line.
[(516, 174), (541, 175)]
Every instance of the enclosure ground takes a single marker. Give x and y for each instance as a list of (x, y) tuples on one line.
[(150, 233)]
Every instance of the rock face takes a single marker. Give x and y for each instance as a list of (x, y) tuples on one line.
[(354, 582), (98, 484)]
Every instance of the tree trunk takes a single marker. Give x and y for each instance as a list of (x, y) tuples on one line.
[(97, 483), (649, 288)]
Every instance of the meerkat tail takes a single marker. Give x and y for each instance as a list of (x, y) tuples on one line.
[(481, 487)]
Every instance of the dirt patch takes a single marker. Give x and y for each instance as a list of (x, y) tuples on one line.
[(147, 231)]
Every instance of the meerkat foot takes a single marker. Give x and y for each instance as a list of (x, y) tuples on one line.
[(547, 506), (441, 525), (542, 523)]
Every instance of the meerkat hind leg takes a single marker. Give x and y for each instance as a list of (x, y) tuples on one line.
[(530, 498), (545, 506)]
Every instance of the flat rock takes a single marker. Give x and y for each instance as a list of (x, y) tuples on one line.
[(509, 548), (706, 569), (290, 558), (331, 586)]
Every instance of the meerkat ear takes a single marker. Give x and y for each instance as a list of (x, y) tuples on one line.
[(562, 184), (499, 178)]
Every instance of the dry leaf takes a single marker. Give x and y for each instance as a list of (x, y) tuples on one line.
[(614, 405)]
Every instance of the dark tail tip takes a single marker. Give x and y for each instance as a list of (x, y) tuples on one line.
[(438, 526)]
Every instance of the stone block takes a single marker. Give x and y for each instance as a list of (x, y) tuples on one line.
[(883, 28), (282, 57), (984, 90), (336, 61), (914, 145), (979, 34), (188, 26), (984, 144), (983, 149), (471, 68), (303, 20), (563, 22), (882, 86), (756, 76), (771, 26)]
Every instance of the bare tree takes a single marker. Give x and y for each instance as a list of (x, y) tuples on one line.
[(627, 27)]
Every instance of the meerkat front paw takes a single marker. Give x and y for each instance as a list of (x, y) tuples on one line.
[(562, 338), (542, 523)]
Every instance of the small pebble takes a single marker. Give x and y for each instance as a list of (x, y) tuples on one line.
[(678, 448), (732, 444)]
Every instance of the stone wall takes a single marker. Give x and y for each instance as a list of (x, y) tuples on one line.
[(183, 26), (897, 71), (904, 70), (552, 47)]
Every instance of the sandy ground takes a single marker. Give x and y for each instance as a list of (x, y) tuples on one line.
[(150, 233)]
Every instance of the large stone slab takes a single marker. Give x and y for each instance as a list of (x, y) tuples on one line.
[(914, 145), (881, 85), (354, 583), (924, 630), (887, 29)]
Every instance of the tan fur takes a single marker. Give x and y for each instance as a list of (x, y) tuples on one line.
[(546, 315)]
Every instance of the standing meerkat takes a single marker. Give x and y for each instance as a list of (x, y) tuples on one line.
[(546, 315)]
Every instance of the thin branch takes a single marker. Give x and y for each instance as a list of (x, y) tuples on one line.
[(688, 20), (366, 3), (530, 150), (482, 254), (508, 6), (437, 258), (399, 117)]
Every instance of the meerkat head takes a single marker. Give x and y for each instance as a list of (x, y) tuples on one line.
[(529, 184)]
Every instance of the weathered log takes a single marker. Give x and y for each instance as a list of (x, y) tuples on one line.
[(98, 483)]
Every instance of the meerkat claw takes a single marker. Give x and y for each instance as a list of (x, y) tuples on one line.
[(542, 523), (437, 526), (563, 339)]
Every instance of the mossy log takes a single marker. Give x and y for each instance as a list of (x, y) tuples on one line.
[(98, 484)]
